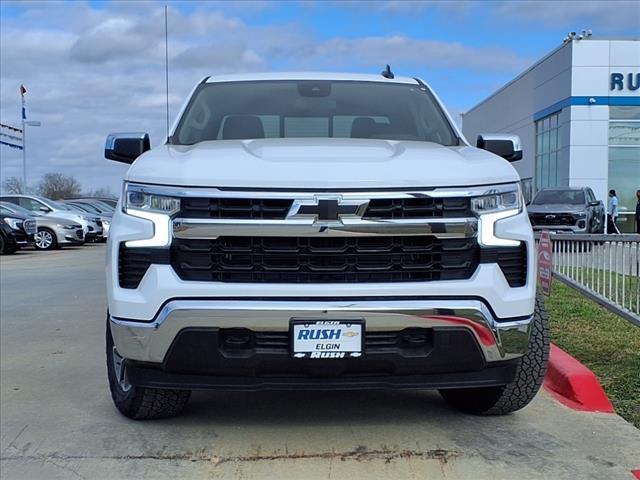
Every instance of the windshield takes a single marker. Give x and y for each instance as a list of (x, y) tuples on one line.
[(83, 207), (570, 197), (313, 108), (59, 206)]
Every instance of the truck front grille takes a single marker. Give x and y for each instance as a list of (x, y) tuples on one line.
[(397, 208), (325, 259), (235, 208), (555, 220)]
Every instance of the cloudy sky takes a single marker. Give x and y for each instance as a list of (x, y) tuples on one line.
[(98, 66)]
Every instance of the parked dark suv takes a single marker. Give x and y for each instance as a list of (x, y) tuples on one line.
[(567, 210), (22, 228)]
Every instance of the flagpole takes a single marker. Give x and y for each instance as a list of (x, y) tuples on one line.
[(24, 141)]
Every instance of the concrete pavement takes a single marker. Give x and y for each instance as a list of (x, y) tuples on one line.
[(57, 420)]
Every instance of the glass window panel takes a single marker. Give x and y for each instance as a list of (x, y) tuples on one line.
[(624, 113), (553, 121), (624, 175), (545, 170), (545, 124), (545, 142), (539, 144), (559, 139), (553, 169), (538, 176), (553, 140), (306, 127), (624, 133)]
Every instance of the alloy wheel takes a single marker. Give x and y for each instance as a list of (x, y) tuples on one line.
[(43, 239)]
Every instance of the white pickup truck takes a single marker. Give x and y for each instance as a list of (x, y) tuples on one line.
[(321, 231)]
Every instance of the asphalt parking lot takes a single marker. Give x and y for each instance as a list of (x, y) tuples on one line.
[(57, 419)]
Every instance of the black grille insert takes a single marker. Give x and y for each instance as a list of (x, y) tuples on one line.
[(133, 263), (325, 259), (397, 208), (235, 208), (512, 262)]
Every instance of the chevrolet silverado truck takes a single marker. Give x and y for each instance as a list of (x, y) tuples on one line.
[(321, 232)]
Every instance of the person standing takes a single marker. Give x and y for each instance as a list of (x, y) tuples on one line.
[(612, 212), (638, 212)]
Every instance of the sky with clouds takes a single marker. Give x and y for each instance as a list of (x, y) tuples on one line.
[(93, 67)]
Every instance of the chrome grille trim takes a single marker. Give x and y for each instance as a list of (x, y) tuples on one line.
[(29, 226), (307, 227)]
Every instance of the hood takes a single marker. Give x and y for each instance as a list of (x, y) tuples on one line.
[(52, 220), (76, 217), (555, 208), (320, 163), (16, 215)]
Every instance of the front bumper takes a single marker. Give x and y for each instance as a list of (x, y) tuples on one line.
[(151, 341)]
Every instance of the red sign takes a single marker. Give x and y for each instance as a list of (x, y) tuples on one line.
[(545, 262)]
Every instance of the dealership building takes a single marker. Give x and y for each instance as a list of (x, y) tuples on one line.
[(577, 112)]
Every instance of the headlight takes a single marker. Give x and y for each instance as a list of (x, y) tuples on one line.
[(14, 223), (66, 227), (508, 199), (499, 202), (139, 202), (137, 199)]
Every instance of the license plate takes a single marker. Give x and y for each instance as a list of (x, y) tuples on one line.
[(326, 339)]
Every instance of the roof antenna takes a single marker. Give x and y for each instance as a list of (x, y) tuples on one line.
[(387, 73), (166, 61)]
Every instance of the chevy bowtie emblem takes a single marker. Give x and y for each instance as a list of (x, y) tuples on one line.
[(550, 217), (327, 209)]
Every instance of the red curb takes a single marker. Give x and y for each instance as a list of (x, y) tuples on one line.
[(574, 385), (636, 473)]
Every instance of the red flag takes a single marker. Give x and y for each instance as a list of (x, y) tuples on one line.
[(23, 90)]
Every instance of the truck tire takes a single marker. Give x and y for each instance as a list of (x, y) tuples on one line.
[(139, 403), (517, 394)]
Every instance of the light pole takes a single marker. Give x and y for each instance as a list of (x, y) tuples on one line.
[(24, 149), (25, 123)]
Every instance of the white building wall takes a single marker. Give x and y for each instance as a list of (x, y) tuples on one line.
[(563, 81), (593, 62)]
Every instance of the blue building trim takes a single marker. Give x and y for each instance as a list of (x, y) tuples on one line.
[(616, 101)]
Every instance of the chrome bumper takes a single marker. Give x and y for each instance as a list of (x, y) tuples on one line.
[(150, 341)]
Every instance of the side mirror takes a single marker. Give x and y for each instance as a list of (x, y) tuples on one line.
[(505, 146), (44, 210), (595, 203), (126, 147)]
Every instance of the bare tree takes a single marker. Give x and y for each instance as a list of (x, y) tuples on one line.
[(104, 192), (57, 186), (13, 185)]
